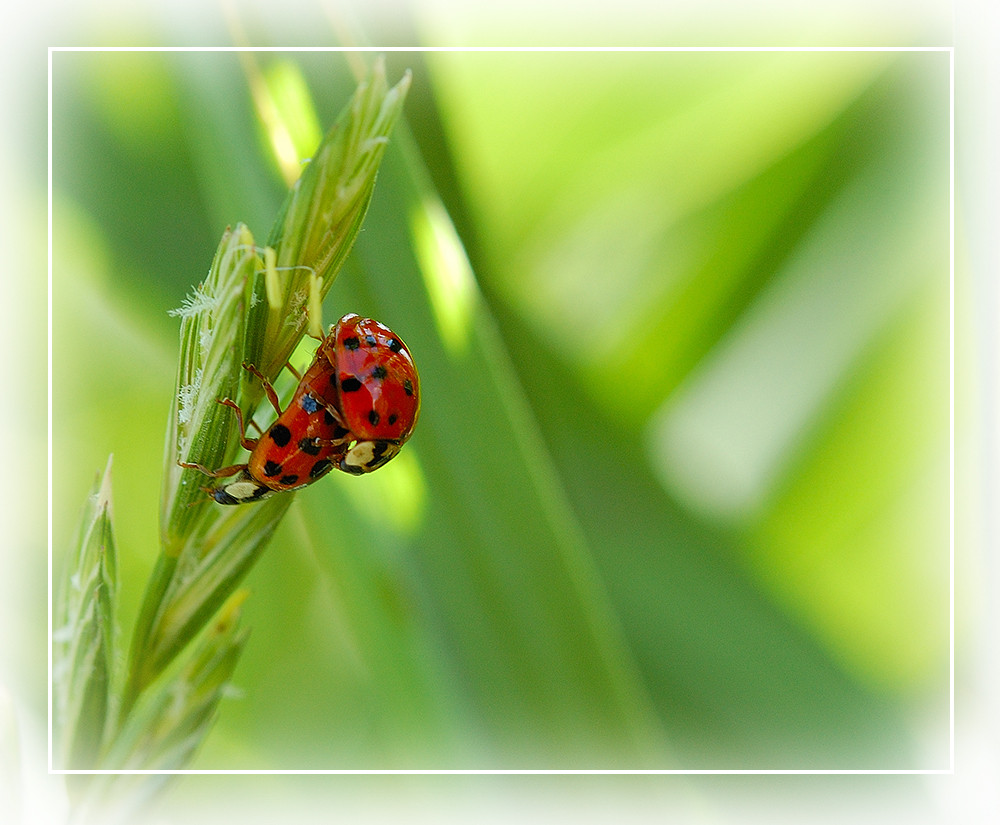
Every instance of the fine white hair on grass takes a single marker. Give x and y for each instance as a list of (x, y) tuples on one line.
[(205, 337), (186, 396), (197, 301), (295, 317)]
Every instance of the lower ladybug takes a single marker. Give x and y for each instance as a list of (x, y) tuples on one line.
[(353, 409)]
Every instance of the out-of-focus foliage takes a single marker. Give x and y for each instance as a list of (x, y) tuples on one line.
[(679, 492)]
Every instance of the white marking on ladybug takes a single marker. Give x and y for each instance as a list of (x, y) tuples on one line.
[(360, 455), (244, 488)]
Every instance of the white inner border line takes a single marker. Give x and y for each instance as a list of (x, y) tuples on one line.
[(597, 49), (49, 400), (951, 406)]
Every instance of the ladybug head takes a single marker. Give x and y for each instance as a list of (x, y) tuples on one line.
[(242, 489), (365, 456)]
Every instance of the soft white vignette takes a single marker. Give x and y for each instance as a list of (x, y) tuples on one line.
[(968, 796)]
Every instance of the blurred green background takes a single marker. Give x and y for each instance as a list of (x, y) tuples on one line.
[(679, 493)]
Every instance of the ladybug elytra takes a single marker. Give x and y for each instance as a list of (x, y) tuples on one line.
[(353, 409)]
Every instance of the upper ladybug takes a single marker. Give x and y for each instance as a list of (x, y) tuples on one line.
[(376, 389)]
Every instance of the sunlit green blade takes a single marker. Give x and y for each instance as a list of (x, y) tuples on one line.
[(718, 315), (457, 567)]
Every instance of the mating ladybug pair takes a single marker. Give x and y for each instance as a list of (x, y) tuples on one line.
[(353, 409)]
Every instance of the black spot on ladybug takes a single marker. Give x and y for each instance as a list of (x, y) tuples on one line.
[(309, 404), (288, 481), (350, 385), (395, 345), (379, 372), (392, 419), (271, 469), (310, 446), (328, 418), (407, 386), (373, 418), (280, 434), (320, 467), (380, 455), (339, 432), (370, 340), (352, 343)]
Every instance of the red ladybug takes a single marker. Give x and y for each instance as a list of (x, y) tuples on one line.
[(354, 408)]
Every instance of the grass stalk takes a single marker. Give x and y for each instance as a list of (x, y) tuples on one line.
[(152, 711)]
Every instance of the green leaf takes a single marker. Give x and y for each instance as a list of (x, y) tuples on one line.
[(174, 717), (168, 724), (192, 586), (83, 645)]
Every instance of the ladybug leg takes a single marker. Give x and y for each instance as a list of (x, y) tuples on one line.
[(293, 371), (223, 472), (272, 396), (247, 443), (233, 469)]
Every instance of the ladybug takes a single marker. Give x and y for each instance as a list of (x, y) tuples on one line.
[(353, 409), (375, 389)]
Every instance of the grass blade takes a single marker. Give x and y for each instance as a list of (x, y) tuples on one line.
[(83, 647)]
